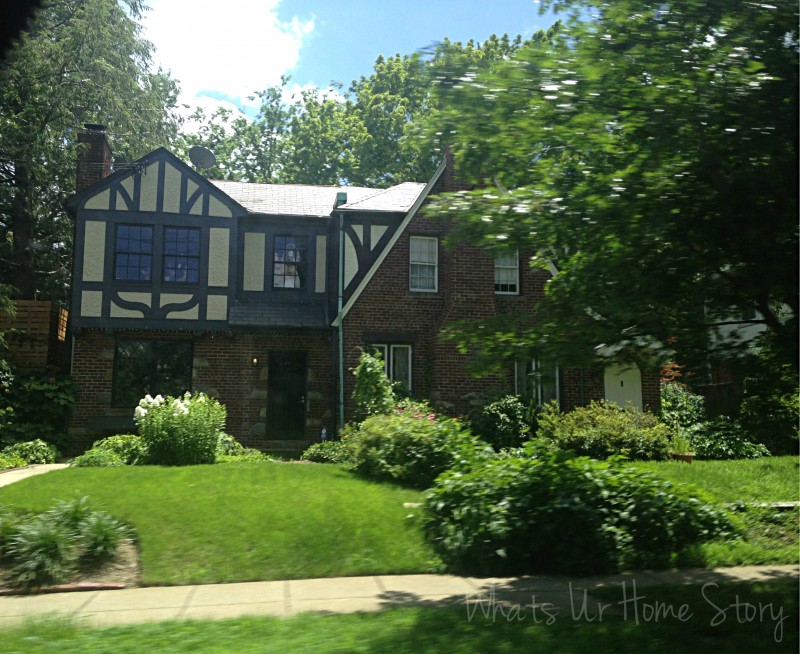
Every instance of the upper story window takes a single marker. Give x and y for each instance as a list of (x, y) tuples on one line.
[(182, 254), (423, 263), (506, 273), (133, 253), (289, 262)]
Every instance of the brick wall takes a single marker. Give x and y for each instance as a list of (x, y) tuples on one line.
[(94, 160), (222, 367)]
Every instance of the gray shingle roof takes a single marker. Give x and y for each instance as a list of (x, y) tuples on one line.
[(275, 314), (317, 201)]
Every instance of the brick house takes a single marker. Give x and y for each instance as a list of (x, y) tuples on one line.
[(237, 289)]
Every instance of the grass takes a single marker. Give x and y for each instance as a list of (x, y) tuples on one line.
[(706, 627), (771, 479), (243, 522)]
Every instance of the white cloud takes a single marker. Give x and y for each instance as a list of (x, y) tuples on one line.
[(223, 47)]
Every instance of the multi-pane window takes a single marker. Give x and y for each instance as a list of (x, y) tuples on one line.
[(133, 253), (396, 364), (289, 262), (537, 380), (154, 367), (182, 254), (506, 273), (423, 263)]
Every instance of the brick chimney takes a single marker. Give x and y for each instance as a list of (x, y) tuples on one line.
[(94, 159)]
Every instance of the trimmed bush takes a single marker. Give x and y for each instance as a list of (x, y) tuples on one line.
[(410, 446), (129, 447), (326, 452), (180, 431), (502, 423), (95, 458), (604, 429), (558, 514), (724, 438)]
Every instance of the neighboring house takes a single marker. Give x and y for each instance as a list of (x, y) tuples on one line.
[(181, 283)]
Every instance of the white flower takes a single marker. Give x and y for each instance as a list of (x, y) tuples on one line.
[(139, 413)]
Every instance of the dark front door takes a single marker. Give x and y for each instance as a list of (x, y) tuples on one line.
[(286, 395)]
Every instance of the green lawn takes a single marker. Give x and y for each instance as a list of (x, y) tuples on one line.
[(771, 479), (709, 623), (245, 522), (242, 522)]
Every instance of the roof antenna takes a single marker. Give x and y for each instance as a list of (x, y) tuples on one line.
[(201, 157)]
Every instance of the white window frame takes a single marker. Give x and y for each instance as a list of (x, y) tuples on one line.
[(426, 264), (532, 371), (387, 351), (503, 266)]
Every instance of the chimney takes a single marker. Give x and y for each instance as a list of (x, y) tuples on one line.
[(94, 159)]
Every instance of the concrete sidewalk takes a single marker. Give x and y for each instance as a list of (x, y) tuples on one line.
[(487, 597), (16, 474)]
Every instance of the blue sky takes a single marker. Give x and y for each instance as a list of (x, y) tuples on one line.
[(222, 51)]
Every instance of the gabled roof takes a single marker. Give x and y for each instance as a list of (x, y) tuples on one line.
[(317, 201)]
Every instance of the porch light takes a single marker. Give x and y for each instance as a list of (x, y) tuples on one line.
[(255, 361)]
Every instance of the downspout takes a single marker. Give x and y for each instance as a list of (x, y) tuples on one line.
[(341, 198)]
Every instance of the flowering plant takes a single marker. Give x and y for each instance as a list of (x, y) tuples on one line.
[(179, 430)]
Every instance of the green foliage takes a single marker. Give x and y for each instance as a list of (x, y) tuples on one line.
[(326, 452), (503, 422), (229, 450), (129, 447), (227, 445), (35, 451), (724, 438), (372, 393), (180, 431), (638, 144), (97, 458), (44, 549), (408, 446), (680, 407), (11, 461), (603, 429), (42, 552), (54, 79), (40, 405), (557, 514)]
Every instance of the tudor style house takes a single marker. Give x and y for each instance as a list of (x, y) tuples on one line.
[(265, 295)]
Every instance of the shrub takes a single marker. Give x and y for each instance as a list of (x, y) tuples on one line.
[(326, 452), (604, 429), (724, 438), (557, 514), (35, 451), (227, 445), (245, 455), (11, 461), (503, 422), (42, 551), (100, 535), (408, 447), (9, 525), (180, 431), (39, 404), (680, 407), (95, 458), (129, 447), (373, 393)]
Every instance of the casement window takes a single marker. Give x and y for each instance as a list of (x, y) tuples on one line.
[(133, 253), (154, 367), (396, 364), (289, 262), (506, 273), (423, 263), (537, 380), (182, 254)]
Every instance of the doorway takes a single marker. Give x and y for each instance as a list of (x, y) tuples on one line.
[(286, 395)]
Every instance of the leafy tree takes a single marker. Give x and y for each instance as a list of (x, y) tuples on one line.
[(648, 151), (78, 61)]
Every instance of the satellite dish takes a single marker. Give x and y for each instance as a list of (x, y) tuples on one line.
[(201, 157)]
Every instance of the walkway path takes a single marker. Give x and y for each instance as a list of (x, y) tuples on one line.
[(349, 594)]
